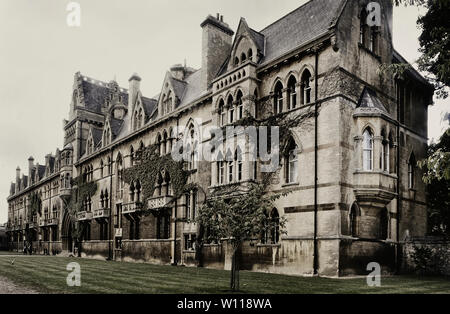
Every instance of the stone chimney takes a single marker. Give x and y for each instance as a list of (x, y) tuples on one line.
[(133, 91), (30, 169), (216, 47), (17, 179)]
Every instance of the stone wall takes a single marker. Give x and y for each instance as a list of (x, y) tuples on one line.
[(439, 260)]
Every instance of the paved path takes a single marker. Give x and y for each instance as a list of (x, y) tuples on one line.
[(8, 287)]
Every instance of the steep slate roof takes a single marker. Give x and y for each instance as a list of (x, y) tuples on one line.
[(95, 95), (194, 89), (41, 171), (97, 136), (369, 99), (299, 27), (116, 124), (149, 105), (178, 87), (258, 39)]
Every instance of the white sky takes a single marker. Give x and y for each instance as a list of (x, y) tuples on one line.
[(39, 55)]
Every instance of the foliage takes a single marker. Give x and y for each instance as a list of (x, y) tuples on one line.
[(35, 206), (435, 43), (149, 165), (80, 191), (437, 169), (428, 261)]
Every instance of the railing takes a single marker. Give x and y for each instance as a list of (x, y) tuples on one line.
[(42, 223), (131, 208), (52, 222), (159, 202), (101, 213), (82, 216)]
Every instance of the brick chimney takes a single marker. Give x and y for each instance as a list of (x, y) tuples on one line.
[(216, 47), (30, 169)]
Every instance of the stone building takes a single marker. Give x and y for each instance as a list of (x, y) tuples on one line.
[(351, 165)]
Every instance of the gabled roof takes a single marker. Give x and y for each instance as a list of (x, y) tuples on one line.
[(96, 93), (178, 86), (96, 136), (306, 23), (369, 99), (41, 171), (397, 57), (115, 124), (149, 106)]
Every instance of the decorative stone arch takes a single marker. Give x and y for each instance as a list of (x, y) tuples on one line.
[(274, 83), (297, 142), (369, 126), (293, 73), (354, 217), (66, 232), (309, 67), (237, 90)]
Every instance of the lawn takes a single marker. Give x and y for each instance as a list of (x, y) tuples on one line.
[(48, 275)]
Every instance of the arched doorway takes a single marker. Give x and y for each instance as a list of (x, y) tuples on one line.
[(66, 234)]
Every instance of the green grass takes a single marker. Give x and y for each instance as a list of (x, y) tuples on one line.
[(48, 275)]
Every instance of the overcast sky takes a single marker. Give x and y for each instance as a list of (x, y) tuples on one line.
[(39, 55)]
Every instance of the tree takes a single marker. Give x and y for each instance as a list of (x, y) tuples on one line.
[(242, 216), (437, 178), (434, 45)]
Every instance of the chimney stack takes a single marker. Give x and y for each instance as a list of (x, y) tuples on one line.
[(133, 90), (30, 168), (17, 174), (216, 46)]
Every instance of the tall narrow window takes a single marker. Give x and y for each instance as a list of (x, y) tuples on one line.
[(239, 164), (367, 150), (222, 113), (411, 171), (250, 54), (291, 162), (240, 106), (354, 221), (194, 204), (384, 224), (230, 171), (363, 27), (278, 98), (292, 93), (306, 87), (221, 172), (188, 206), (275, 228), (230, 106)]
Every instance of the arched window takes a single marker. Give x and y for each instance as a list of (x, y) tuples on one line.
[(243, 57), (236, 61), (240, 105), (278, 98), (384, 224), (306, 87), (411, 171), (392, 157), (292, 93), (131, 156), (170, 141), (222, 113), (220, 169), (275, 226), (159, 142), (230, 106), (291, 162), (239, 164), (250, 54), (354, 220), (138, 191), (109, 166), (230, 160), (363, 27), (164, 143), (101, 168), (385, 151), (367, 150)]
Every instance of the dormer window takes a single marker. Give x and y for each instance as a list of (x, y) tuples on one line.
[(236, 61), (250, 54), (243, 58)]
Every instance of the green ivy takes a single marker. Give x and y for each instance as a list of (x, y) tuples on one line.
[(149, 164), (35, 206)]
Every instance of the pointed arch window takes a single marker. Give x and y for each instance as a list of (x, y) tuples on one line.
[(278, 98), (239, 164), (230, 106), (411, 171), (384, 224), (222, 113), (291, 161), (292, 93), (354, 220), (367, 150), (363, 28), (131, 156), (240, 105), (250, 54), (306, 87), (243, 57)]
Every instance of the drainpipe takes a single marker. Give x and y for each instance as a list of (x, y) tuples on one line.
[(316, 253), (110, 213), (399, 200), (175, 262)]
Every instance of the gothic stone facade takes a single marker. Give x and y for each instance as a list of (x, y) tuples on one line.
[(356, 187)]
